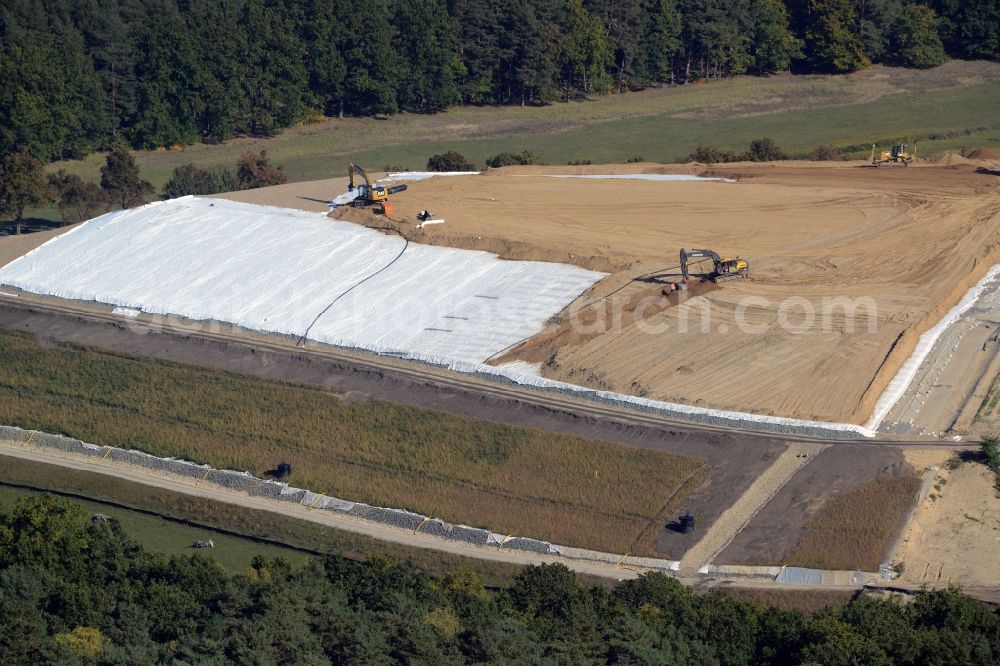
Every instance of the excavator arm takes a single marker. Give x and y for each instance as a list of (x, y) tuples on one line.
[(369, 193), (352, 169), (700, 254)]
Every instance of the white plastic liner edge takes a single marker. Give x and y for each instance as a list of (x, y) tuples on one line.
[(422, 175), (734, 418), (644, 176), (898, 385)]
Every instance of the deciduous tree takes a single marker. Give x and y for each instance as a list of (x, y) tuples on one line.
[(832, 41), (254, 170), (22, 184), (915, 40), (449, 161), (78, 199)]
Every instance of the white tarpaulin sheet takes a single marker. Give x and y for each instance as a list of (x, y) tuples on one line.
[(906, 374), (292, 272), (642, 176)]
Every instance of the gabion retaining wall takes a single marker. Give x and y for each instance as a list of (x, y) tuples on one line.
[(247, 483)]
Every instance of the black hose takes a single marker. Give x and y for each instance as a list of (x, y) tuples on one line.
[(406, 244)]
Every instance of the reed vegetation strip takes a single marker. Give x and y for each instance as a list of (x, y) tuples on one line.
[(566, 489), (854, 530)]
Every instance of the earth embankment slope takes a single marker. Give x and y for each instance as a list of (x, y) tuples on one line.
[(876, 255)]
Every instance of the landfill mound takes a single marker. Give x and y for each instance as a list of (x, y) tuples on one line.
[(301, 274), (879, 255), (849, 265)]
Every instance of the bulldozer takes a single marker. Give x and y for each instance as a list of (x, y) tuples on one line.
[(370, 193), (722, 268), (895, 156)]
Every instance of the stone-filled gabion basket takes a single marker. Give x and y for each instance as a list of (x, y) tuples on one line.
[(244, 482)]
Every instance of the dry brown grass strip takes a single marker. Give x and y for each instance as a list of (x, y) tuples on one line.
[(570, 490), (854, 530), (808, 602)]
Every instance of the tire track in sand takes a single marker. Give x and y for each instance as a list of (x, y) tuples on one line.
[(737, 516)]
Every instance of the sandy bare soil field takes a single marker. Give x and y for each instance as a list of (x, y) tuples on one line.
[(12, 247), (902, 244), (848, 266), (955, 535)]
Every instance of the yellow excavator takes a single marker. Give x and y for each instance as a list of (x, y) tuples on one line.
[(722, 268), (895, 156), (369, 193)]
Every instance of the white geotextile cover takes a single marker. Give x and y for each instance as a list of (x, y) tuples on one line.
[(423, 175), (662, 177), (526, 374), (274, 269), (906, 374)]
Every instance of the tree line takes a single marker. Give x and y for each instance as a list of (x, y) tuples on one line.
[(79, 75), (24, 184), (77, 591)]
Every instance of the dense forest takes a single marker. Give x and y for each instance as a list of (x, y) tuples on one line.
[(77, 591), (79, 74)]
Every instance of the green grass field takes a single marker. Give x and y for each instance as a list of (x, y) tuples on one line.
[(173, 538), (234, 519), (566, 489), (798, 112)]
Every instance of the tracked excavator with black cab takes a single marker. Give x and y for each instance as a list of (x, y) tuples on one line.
[(722, 268), (370, 193)]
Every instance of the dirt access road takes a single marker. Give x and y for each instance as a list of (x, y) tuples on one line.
[(9, 456)]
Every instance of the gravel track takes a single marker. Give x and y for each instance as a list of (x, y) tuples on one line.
[(737, 516), (335, 519)]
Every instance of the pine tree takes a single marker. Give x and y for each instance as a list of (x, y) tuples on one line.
[(169, 96), (427, 43), (584, 55), (715, 38), (529, 42), (41, 108), (970, 28), (875, 19), (663, 41), (274, 84), (625, 23), (325, 64), (479, 39), (373, 66), (121, 182), (774, 46), (109, 33), (223, 44)]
